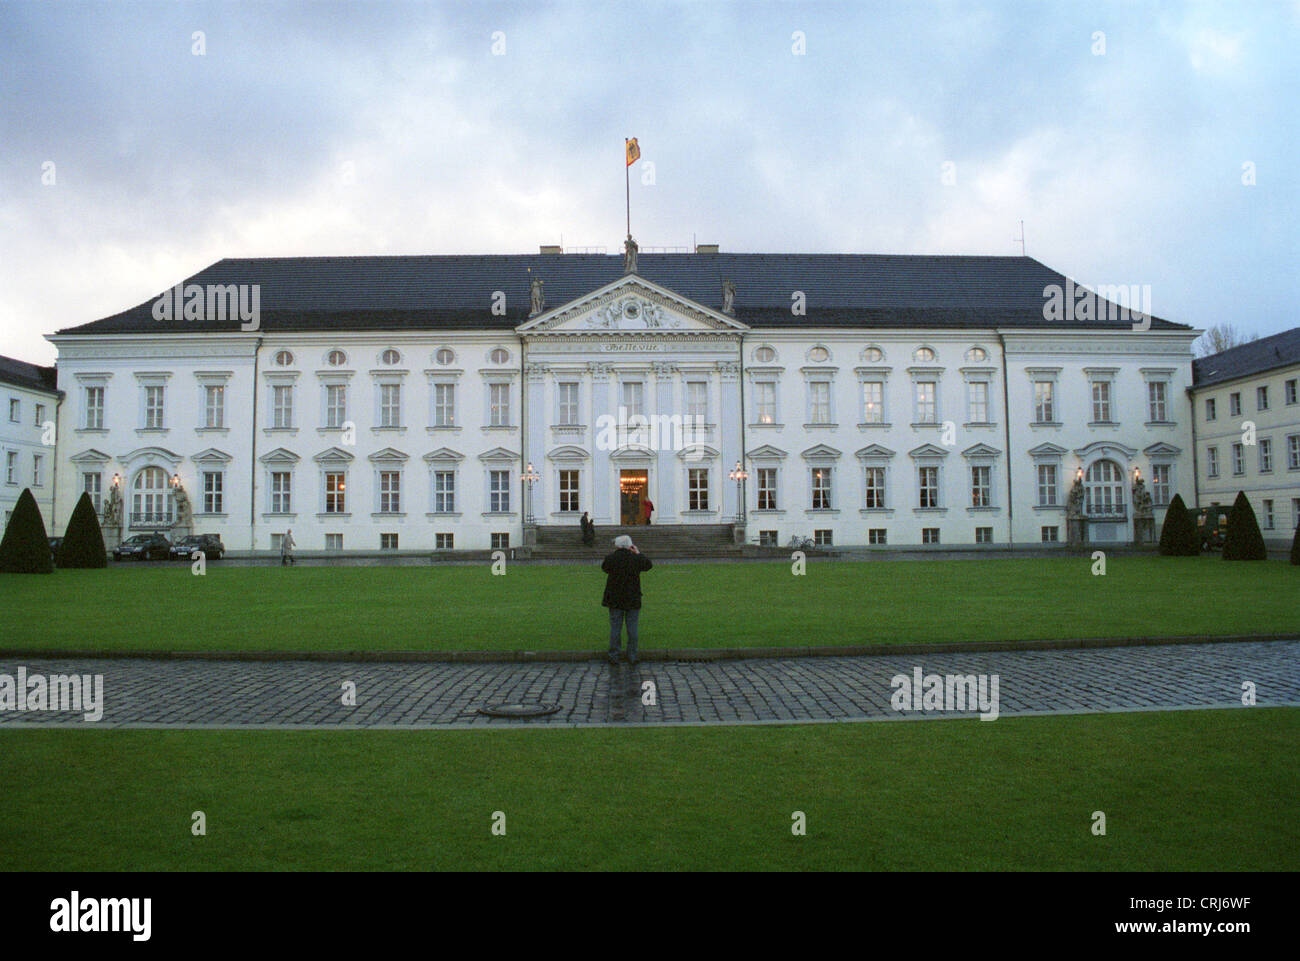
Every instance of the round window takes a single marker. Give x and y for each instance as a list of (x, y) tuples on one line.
[(283, 358), (874, 354), (977, 355), (390, 357), (444, 356), (819, 355), (500, 355), (336, 358), (924, 354), (765, 355)]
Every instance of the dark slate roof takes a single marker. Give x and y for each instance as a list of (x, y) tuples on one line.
[(1267, 353), (455, 291), (22, 374)]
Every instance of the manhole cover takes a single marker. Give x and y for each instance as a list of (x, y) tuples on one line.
[(518, 710)]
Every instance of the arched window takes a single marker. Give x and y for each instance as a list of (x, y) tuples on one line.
[(977, 355), (873, 355), (924, 354), (1103, 490), (151, 498)]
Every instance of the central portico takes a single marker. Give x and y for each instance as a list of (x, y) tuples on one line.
[(632, 392)]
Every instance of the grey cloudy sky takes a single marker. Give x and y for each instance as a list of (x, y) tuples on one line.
[(332, 128)]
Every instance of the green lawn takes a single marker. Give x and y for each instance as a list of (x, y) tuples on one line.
[(1197, 790), (687, 605)]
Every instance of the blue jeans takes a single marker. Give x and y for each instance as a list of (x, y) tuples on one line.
[(616, 619)]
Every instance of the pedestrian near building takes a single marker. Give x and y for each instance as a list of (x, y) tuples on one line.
[(623, 568), (286, 549)]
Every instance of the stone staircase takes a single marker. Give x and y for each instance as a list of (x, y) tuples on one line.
[(656, 541)]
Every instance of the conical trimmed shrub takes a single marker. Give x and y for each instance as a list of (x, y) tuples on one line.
[(83, 542), (25, 548), (1295, 547), (1243, 541), (1178, 535)]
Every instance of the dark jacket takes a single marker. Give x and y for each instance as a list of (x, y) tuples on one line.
[(623, 585)]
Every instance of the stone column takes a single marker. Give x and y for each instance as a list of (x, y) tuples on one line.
[(534, 442), (664, 493), (602, 474), (729, 436)]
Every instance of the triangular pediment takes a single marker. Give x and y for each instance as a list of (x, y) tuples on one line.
[(875, 450), (279, 456), (389, 455), (1047, 450), (928, 450), (767, 452), (1162, 449), (981, 450), (498, 455), (444, 455), (211, 456), (333, 455), (820, 451), (631, 305), (91, 456)]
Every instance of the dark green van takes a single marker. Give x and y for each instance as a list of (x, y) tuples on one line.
[(1211, 525)]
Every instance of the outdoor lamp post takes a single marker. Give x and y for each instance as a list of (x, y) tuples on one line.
[(529, 477), (739, 475)]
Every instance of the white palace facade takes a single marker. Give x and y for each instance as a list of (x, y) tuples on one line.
[(416, 404)]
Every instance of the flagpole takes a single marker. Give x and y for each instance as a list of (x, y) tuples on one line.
[(627, 188)]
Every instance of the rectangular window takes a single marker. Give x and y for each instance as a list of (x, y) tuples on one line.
[(568, 400), (928, 482), (1212, 461), (390, 492), (981, 486), (1265, 455), (1234, 404), (214, 406), (500, 540), (1157, 408), (929, 535), (876, 535), (765, 402), (1238, 459), (697, 489), (92, 484), (213, 483), (1051, 535), (333, 542), (1293, 452), (390, 405), (153, 408), (11, 467), (1044, 401), (444, 491), (926, 411), (95, 408), (282, 406), (336, 405), (983, 535), (1261, 398), (767, 539), (875, 488), (767, 489), (444, 542), (977, 393), (499, 405), (15, 410), (1047, 485), (634, 398), (281, 491), (499, 491), (1101, 401), (1290, 391), (1210, 412), (823, 537), (37, 463), (873, 402), (444, 405), (335, 493), (569, 491), (40, 414), (1268, 515), (819, 402), (388, 542), (697, 399), (821, 489), (1295, 512), (1161, 475)]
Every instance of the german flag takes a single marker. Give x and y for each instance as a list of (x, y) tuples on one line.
[(633, 151)]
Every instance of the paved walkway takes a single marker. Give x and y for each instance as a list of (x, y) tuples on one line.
[(307, 695)]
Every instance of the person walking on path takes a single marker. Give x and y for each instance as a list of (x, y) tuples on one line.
[(623, 594), (286, 549), (647, 508)]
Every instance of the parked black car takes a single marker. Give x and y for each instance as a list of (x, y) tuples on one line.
[(209, 544), (143, 547), (1211, 526), (54, 547)]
